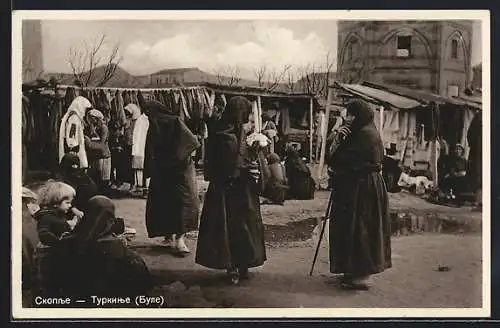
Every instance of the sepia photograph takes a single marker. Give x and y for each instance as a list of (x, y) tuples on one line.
[(250, 164)]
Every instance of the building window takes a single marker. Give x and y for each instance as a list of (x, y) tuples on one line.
[(404, 46), (350, 53), (454, 49)]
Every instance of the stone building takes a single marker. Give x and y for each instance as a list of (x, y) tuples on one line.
[(426, 55), (32, 65), (175, 76)]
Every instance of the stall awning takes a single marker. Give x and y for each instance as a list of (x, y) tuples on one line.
[(379, 96), (424, 96)]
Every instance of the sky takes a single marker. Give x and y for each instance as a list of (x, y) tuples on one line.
[(149, 46)]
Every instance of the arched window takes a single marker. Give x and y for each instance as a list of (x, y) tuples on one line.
[(348, 52), (454, 49), (403, 46)]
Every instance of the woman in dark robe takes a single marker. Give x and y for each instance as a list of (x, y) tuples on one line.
[(172, 207), (71, 173), (455, 179), (97, 262), (231, 235), (300, 182), (360, 233)]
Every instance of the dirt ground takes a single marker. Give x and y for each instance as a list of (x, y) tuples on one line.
[(291, 235)]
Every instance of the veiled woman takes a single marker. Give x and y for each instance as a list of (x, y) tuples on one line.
[(97, 262), (231, 235), (172, 207), (360, 233)]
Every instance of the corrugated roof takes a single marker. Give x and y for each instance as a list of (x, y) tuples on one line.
[(423, 96), (381, 96)]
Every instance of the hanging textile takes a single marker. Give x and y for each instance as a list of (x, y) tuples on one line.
[(127, 99), (468, 115), (140, 100), (69, 97)]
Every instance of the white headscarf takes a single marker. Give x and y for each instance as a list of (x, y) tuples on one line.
[(134, 110), (79, 107)]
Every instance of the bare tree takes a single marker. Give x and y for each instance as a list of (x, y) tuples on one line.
[(270, 79), (291, 80), (229, 75), (315, 78), (85, 61)]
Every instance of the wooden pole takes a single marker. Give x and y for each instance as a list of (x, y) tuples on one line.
[(381, 112), (259, 118), (311, 130), (324, 136)]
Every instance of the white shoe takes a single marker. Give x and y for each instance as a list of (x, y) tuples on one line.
[(181, 246)]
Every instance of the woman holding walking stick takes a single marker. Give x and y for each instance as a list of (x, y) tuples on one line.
[(360, 233)]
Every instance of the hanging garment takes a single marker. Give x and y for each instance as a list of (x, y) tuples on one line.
[(127, 99), (139, 141), (104, 105), (25, 131), (56, 115), (140, 100), (468, 116), (285, 121), (69, 97), (71, 130), (134, 98), (184, 105)]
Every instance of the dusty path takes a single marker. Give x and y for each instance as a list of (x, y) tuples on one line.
[(283, 281), (414, 280)]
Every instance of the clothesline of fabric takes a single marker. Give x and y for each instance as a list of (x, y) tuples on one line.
[(215, 88), (64, 86)]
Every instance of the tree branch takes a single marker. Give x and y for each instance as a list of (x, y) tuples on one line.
[(85, 61)]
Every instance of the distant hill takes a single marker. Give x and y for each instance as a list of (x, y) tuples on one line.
[(120, 79), (123, 79)]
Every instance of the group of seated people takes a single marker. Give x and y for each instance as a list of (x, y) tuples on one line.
[(73, 243), (290, 179)]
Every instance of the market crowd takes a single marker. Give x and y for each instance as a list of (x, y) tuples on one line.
[(74, 244)]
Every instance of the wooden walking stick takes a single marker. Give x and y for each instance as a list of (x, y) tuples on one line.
[(325, 218)]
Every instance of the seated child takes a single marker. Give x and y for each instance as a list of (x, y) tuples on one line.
[(55, 202), (29, 236)]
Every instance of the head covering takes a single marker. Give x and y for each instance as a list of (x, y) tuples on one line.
[(97, 222), (362, 113), (80, 105), (96, 113), (294, 163), (29, 194), (134, 110), (156, 108), (459, 146), (69, 165), (236, 114), (273, 158)]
